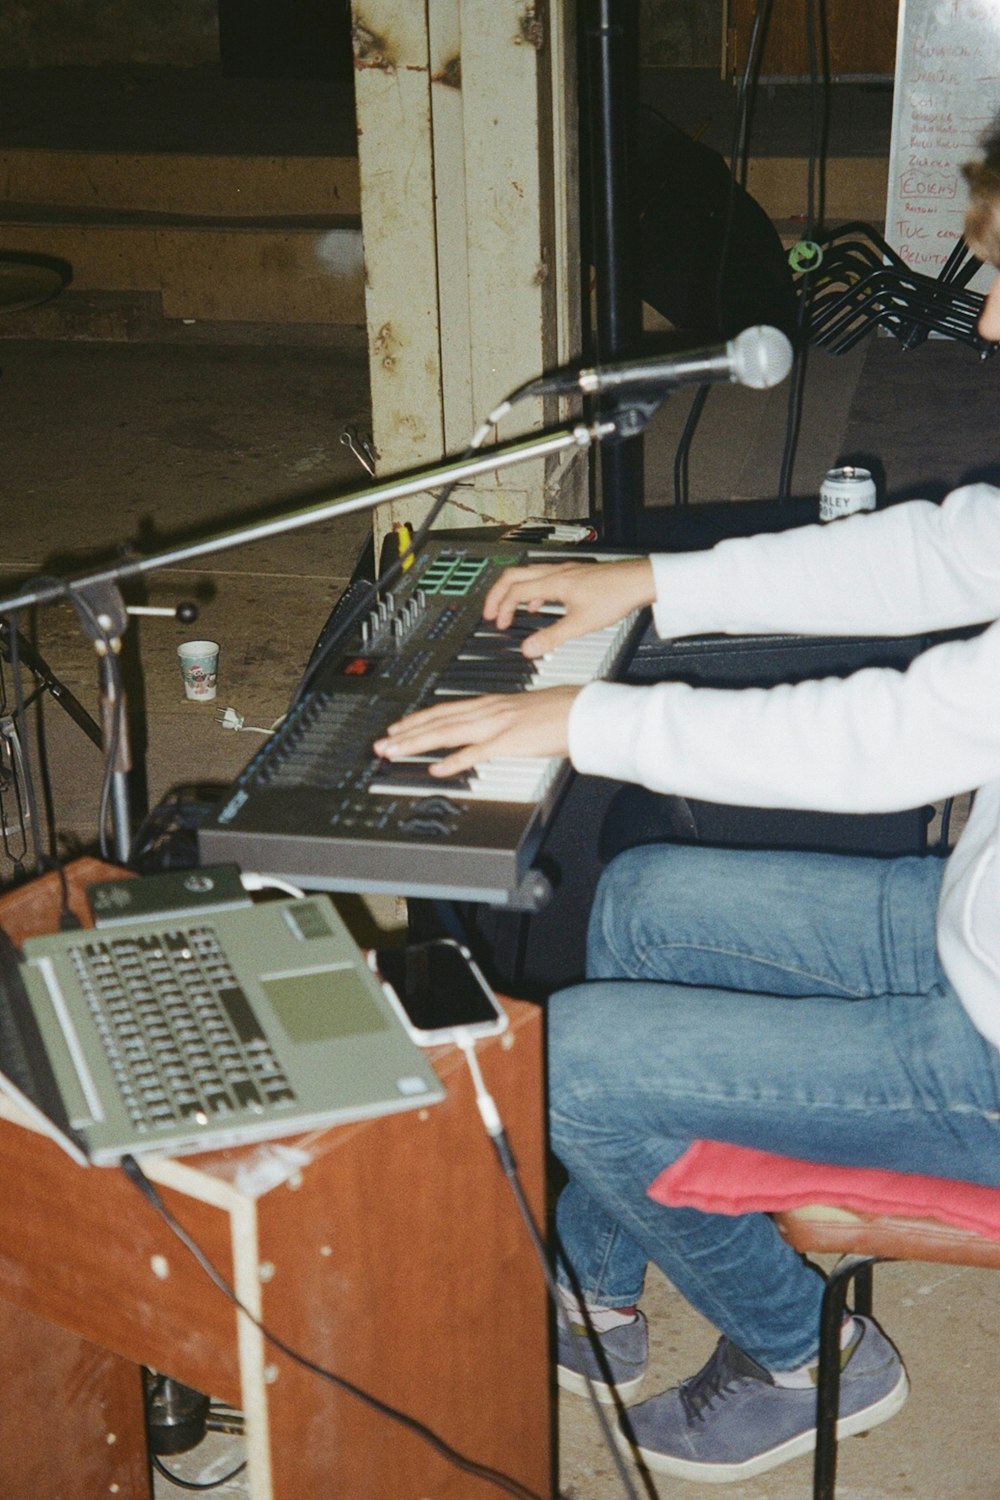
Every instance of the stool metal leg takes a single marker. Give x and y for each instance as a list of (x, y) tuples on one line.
[(828, 1376), (863, 1288)]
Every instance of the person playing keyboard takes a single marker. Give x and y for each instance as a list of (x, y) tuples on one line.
[(838, 1008)]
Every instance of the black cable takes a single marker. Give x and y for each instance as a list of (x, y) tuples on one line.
[(796, 395), (490, 1117), (15, 784), (42, 758), (21, 720), (138, 1178), (192, 1484), (737, 176), (509, 1166), (819, 124), (367, 597), (21, 773), (98, 631), (739, 154), (52, 861), (111, 755), (6, 830), (683, 452)]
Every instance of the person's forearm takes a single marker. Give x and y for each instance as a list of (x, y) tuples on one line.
[(901, 571), (879, 741)]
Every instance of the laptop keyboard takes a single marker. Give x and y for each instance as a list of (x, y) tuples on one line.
[(180, 1034)]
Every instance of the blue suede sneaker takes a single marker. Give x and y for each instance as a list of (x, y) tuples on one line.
[(730, 1421), (618, 1367)]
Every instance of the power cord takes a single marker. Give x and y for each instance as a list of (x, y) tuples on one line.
[(21, 720), (12, 780), (368, 595), (111, 756), (230, 719), (490, 1116), (409, 548), (139, 1180), (14, 735), (251, 882), (819, 78), (493, 1124), (195, 1484)]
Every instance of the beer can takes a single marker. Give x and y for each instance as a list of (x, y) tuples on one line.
[(844, 491)]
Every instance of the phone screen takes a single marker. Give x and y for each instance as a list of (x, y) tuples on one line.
[(436, 986)]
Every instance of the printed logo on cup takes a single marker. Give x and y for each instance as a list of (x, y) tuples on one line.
[(199, 661)]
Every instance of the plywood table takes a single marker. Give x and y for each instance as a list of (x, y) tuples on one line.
[(389, 1252)]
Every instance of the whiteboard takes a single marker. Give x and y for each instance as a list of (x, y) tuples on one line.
[(947, 93)]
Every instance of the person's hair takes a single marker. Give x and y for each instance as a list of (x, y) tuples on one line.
[(982, 217)]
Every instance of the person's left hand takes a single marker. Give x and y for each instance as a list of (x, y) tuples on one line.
[(480, 729)]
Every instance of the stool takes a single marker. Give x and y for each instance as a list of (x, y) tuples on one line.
[(863, 1215)]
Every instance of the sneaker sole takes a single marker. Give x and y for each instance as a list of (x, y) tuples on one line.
[(860, 1421), (607, 1395)]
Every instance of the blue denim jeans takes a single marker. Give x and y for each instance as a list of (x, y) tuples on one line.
[(792, 1002)]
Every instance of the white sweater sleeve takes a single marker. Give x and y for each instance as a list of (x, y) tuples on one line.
[(910, 568), (874, 742), (878, 741)]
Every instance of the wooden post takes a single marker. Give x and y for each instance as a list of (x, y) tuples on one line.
[(467, 144)]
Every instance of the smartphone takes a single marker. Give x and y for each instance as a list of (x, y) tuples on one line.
[(439, 990)]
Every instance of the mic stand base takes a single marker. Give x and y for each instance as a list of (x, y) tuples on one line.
[(49, 683)]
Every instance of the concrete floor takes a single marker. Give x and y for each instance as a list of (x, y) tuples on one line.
[(108, 443)]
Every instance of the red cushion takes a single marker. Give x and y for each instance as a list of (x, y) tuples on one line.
[(723, 1179)]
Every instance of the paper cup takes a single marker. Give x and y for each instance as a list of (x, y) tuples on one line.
[(199, 668)]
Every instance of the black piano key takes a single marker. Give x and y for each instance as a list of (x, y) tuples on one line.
[(488, 677), (489, 649), (411, 773), (519, 630)]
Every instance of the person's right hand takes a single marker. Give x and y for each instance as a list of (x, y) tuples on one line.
[(593, 594)]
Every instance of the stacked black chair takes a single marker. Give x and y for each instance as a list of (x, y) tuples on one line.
[(861, 284)]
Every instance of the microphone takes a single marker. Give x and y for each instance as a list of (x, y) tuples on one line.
[(758, 357)]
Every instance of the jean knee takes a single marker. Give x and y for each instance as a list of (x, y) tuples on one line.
[(634, 892), (576, 1022), (570, 1038), (620, 888)]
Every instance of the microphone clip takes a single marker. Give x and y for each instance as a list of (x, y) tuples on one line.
[(631, 414)]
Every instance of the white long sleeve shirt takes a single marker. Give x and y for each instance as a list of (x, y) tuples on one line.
[(879, 741)]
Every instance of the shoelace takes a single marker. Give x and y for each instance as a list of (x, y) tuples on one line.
[(727, 1365)]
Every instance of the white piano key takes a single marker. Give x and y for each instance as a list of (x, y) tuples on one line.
[(506, 779)]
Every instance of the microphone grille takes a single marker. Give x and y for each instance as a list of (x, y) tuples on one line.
[(762, 357)]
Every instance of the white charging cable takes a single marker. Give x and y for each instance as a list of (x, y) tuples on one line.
[(485, 1102), (253, 882)]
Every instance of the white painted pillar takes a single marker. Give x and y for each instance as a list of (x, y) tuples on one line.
[(467, 139)]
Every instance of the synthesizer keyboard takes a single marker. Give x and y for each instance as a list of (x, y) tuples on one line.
[(315, 806)]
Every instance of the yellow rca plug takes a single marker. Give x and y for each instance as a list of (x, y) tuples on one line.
[(404, 540)]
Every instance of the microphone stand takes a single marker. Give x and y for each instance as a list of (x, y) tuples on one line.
[(97, 600), (50, 591)]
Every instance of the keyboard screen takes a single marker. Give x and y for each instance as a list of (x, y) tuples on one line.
[(180, 1035)]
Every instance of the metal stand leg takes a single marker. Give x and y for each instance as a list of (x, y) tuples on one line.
[(828, 1378), (611, 32), (48, 682), (118, 752)]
